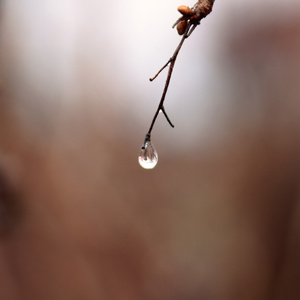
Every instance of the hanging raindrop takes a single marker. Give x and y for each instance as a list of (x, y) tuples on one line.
[(148, 157)]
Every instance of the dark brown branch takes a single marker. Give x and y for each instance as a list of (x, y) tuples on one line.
[(191, 17), (167, 117), (171, 61)]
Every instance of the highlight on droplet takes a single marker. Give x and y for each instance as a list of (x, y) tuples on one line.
[(148, 157)]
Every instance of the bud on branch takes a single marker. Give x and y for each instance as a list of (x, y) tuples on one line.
[(186, 24)]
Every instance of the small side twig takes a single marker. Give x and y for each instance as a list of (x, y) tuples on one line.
[(186, 24), (167, 117)]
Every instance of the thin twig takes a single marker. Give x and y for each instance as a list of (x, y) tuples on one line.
[(152, 78), (190, 19), (167, 117), (171, 61)]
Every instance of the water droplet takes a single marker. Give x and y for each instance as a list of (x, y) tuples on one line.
[(148, 157)]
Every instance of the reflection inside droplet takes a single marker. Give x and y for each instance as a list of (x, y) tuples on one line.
[(148, 157)]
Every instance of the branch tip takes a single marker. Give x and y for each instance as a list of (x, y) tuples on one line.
[(186, 25)]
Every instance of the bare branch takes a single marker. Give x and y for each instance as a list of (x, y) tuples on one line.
[(186, 24)]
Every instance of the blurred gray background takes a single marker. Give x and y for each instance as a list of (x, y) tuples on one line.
[(218, 218)]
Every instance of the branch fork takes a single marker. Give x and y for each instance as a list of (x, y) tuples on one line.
[(186, 24)]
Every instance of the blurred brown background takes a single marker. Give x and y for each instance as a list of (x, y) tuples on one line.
[(217, 219)]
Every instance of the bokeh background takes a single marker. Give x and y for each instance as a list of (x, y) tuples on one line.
[(218, 218)]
